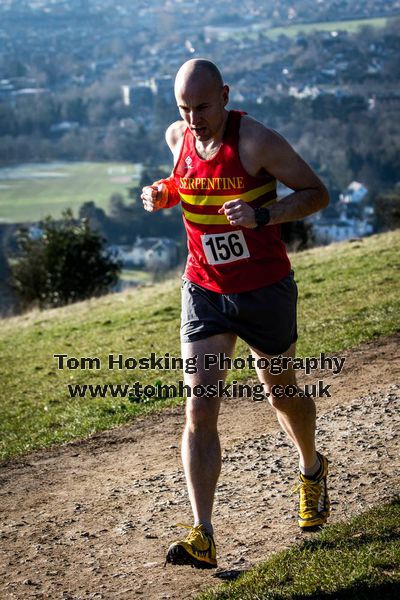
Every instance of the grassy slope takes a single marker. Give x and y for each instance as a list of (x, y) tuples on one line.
[(351, 26), (348, 294), (23, 199), (359, 560)]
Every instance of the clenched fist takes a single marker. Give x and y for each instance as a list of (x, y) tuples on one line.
[(161, 194), (154, 196), (238, 212)]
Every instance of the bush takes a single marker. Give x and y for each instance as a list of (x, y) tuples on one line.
[(297, 235), (387, 210), (62, 262)]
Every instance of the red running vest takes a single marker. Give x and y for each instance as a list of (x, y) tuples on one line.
[(222, 257)]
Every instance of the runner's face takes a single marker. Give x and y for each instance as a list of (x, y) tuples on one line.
[(201, 105)]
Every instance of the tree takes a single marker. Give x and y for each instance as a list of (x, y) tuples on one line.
[(387, 210), (151, 173), (61, 262), (297, 235), (95, 216), (121, 212)]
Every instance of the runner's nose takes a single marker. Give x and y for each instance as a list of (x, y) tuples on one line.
[(194, 118)]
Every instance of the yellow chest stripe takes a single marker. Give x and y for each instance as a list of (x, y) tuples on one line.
[(220, 200), (212, 219)]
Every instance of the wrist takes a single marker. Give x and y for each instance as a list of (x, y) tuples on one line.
[(262, 216), (168, 191)]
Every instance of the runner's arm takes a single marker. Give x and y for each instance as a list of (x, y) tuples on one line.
[(282, 161), (163, 193), (174, 138), (262, 150)]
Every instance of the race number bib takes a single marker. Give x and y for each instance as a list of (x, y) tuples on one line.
[(221, 248)]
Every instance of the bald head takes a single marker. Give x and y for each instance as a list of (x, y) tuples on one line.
[(201, 97), (198, 70)]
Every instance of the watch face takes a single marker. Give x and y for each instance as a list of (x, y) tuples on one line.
[(262, 216)]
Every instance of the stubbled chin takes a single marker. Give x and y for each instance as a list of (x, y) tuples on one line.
[(202, 135)]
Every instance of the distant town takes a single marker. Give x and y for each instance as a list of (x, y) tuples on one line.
[(92, 80)]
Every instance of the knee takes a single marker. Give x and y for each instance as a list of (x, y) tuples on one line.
[(280, 403), (292, 403), (283, 398), (201, 416)]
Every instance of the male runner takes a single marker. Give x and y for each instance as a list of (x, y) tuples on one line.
[(238, 281)]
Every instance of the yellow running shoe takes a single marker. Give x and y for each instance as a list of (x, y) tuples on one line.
[(314, 499), (197, 549)]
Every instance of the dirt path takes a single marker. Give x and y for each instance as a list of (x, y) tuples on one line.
[(93, 519)]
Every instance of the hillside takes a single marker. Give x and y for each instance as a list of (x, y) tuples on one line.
[(93, 518), (348, 295)]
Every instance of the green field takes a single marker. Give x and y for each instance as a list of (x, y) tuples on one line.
[(30, 192), (352, 26), (358, 560), (136, 275), (348, 294)]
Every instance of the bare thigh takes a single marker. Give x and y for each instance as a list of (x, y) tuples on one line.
[(206, 409), (286, 377)]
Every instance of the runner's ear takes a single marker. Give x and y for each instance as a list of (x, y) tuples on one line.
[(225, 94)]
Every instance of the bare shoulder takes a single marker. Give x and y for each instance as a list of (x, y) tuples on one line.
[(256, 136), (174, 135), (264, 149)]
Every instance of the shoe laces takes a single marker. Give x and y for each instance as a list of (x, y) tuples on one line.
[(194, 533), (309, 493)]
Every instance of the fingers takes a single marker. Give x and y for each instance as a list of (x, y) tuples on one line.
[(238, 213), (234, 215), (228, 208), (149, 197)]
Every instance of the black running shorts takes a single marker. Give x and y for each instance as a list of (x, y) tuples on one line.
[(264, 318)]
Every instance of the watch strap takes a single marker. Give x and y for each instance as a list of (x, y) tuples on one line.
[(262, 216)]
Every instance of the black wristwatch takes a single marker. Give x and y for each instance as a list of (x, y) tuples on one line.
[(262, 216)]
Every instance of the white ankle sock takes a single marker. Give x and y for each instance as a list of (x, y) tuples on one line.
[(206, 524), (309, 472)]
